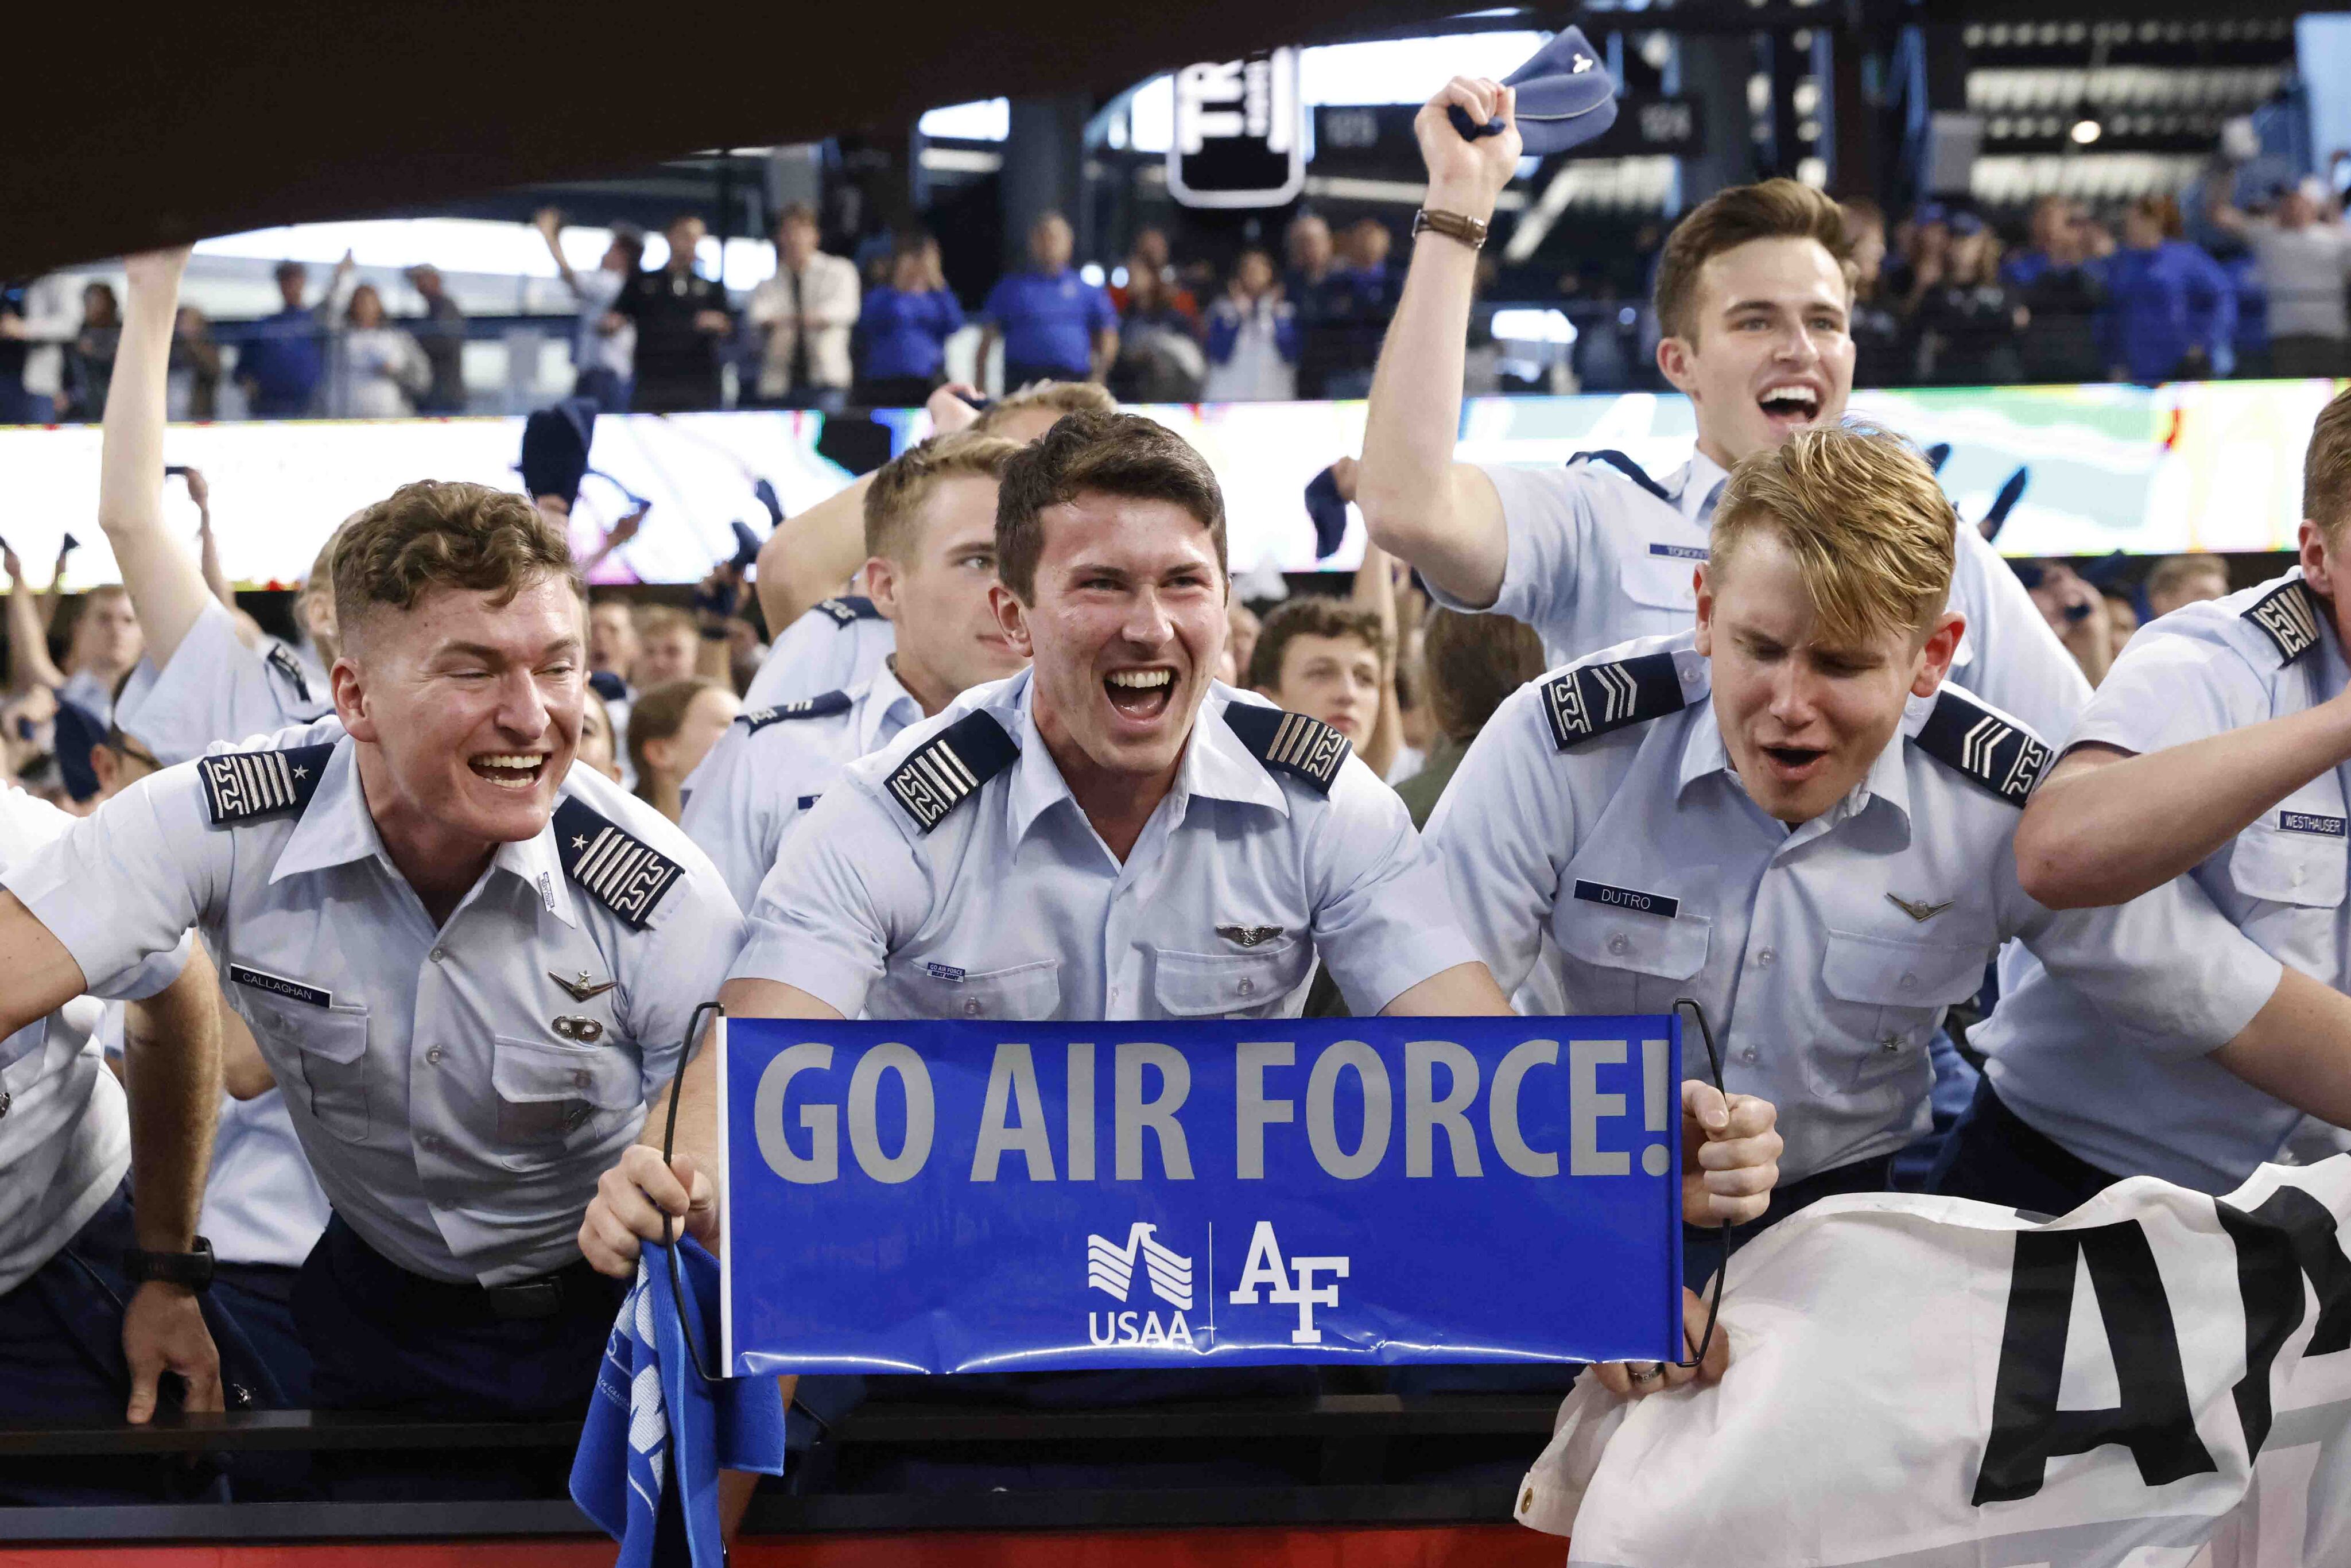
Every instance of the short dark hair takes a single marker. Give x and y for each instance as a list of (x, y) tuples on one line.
[(434, 534), (1308, 615), (1772, 209), (1471, 663), (1121, 455)]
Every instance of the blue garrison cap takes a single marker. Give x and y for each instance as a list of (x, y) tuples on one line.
[(78, 731), (555, 443), (1565, 97), (1328, 510)]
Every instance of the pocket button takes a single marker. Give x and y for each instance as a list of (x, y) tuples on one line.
[(434, 1055), (1617, 945)]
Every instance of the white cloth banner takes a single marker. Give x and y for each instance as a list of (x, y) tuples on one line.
[(2159, 1379)]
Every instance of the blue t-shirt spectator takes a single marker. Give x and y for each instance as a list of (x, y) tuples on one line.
[(905, 332), (1048, 320), (2165, 301), (282, 364)]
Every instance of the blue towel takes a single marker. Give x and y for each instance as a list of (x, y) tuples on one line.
[(654, 1425), (1329, 513)]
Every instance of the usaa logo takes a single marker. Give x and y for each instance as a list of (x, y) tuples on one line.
[(1113, 1270)]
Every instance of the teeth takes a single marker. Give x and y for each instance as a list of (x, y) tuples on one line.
[(519, 761), (1142, 680), (1797, 395)]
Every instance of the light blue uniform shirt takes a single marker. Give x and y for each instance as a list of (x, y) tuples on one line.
[(2136, 1103), (216, 689), (1596, 560), (456, 1098), (834, 647), (1637, 849), (1011, 907), (65, 1133), (773, 764)]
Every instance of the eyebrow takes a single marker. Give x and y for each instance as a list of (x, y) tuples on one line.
[(485, 650)]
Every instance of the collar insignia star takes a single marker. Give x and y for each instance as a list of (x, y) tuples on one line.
[(585, 986), (578, 843), (301, 773), (1919, 911)]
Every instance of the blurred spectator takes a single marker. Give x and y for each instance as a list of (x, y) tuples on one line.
[(1317, 292), (386, 369), (804, 314), (2179, 580), (1325, 658), (2170, 311), (668, 643), (281, 363), (672, 728), (90, 357), (904, 328), (16, 403), (1469, 664), (196, 367), (2302, 257), (1241, 629), (1150, 255), (2122, 619), (604, 346), (1054, 325), (681, 318), (1881, 354), (1922, 244), (1967, 323), (1252, 337), (1364, 301), (2061, 282), (2075, 610), (598, 748), (613, 646), (442, 336), (1159, 356)]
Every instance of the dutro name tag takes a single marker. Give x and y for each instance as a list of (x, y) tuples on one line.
[(959, 1197)]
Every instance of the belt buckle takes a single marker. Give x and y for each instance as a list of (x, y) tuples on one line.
[(527, 1301)]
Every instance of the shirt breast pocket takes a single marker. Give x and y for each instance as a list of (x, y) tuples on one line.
[(548, 1093), (1662, 585), (1021, 993), (1885, 997), (2296, 880), (1251, 985), (1616, 960), (328, 1049)]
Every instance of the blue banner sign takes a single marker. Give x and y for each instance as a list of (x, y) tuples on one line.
[(952, 1197)]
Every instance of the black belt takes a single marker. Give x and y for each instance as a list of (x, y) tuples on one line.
[(372, 1273)]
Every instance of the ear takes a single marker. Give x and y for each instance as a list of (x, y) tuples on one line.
[(1011, 619), (1935, 656), (661, 754), (107, 765), (1705, 611), (1675, 357), (882, 585), (2318, 563), (350, 700)]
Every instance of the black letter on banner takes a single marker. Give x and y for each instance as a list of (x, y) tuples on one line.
[(2153, 1421), (2292, 1234)]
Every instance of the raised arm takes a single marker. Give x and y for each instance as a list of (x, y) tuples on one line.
[(207, 543), (29, 663), (1443, 516), (1375, 591), (550, 224), (172, 1068), (167, 587)]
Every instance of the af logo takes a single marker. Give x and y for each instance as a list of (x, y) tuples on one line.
[(1111, 1268), (1265, 1267)]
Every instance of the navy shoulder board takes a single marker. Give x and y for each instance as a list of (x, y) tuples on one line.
[(620, 871), (1997, 753), (281, 659), (1290, 743), (246, 786), (1626, 466), (822, 706), (1590, 700), (948, 769), (2288, 616), (608, 686), (850, 608)]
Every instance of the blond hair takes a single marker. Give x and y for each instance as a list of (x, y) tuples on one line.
[(1872, 532), (904, 485), (2326, 468), (2175, 572), (1064, 397)]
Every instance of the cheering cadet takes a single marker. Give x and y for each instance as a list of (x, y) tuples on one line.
[(930, 535), (1753, 294), (469, 966), (1789, 814), (1176, 849), (2213, 753)]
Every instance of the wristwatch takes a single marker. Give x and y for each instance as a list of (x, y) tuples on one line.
[(193, 1271), (1469, 231)]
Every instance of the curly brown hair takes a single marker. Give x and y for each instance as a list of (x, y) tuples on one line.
[(436, 534)]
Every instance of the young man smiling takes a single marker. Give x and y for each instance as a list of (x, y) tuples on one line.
[(1753, 295), (1324, 659), (930, 537), (1788, 814), (1109, 835), (468, 965)]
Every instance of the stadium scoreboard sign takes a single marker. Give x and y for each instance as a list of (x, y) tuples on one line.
[(1240, 133)]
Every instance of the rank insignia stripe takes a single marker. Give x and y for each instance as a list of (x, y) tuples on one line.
[(1305, 749), (824, 706), (1997, 753), (948, 769), (2288, 615), (246, 786), (618, 869), (1592, 700), (848, 609)]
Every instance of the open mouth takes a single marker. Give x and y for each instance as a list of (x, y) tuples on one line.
[(516, 770), (1789, 404), (1140, 695), (1795, 764)]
